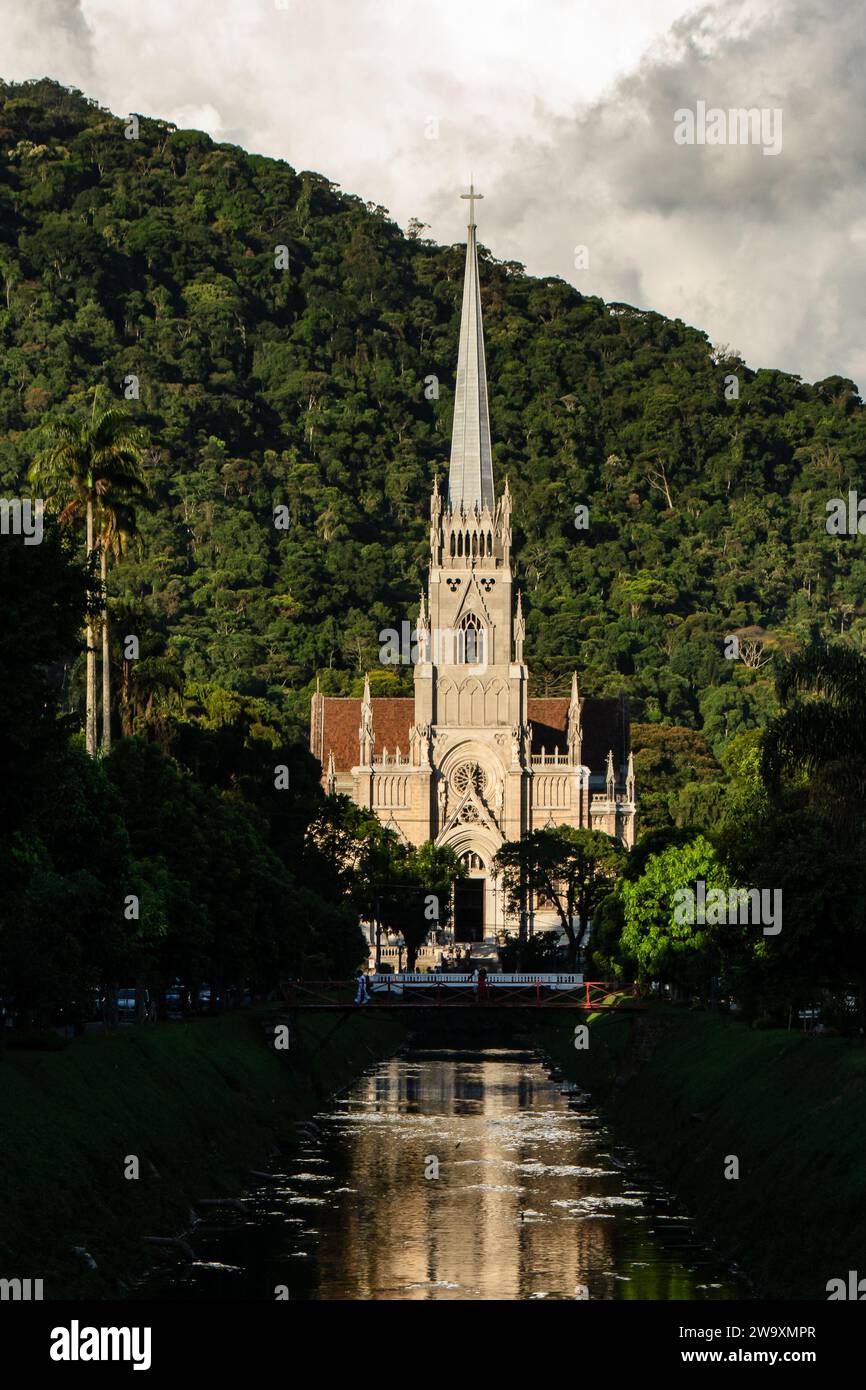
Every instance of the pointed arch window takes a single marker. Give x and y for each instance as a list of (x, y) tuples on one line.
[(471, 641)]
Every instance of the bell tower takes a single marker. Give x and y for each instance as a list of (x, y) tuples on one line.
[(471, 761), (471, 681), (472, 675)]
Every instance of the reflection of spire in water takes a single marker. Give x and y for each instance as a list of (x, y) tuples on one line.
[(461, 1236), (525, 1205)]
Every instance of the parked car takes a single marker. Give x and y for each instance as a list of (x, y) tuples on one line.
[(203, 1000), (127, 1005), (176, 1001)]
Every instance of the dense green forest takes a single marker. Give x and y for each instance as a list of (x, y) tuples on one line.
[(142, 867), (304, 386), (274, 344)]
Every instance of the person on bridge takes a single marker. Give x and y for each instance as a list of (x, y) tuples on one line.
[(362, 995), (483, 987)]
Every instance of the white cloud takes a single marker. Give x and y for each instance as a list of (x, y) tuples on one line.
[(563, 110), (45, 38)]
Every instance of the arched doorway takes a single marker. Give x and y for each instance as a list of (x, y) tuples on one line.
[(469, 895), (471, 796)]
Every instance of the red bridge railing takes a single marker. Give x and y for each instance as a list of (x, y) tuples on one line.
[(431, 990)]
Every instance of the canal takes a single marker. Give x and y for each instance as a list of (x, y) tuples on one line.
[(451, 1175)]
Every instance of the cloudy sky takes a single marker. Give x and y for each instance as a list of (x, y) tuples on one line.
[(563, 110)]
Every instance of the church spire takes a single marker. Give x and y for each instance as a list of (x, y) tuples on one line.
[(470, 480)]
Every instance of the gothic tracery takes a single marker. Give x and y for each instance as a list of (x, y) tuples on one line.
[(479, 772)]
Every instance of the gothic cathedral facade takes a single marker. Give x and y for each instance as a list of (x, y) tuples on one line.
[(473, 760)]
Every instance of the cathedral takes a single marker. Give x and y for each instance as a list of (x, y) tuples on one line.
[(472, 760)]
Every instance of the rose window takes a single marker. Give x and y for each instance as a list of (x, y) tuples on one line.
[(469, 775)]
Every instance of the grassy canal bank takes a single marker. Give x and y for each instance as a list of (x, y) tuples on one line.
[(197, 1103), (687, 1090)]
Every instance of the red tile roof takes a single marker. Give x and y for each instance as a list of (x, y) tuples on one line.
[(335, 722), (341, 719), (605, 725), (549, 720)]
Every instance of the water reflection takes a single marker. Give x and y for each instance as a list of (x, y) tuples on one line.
[(528, 1203)]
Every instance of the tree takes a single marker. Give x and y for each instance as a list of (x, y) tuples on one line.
[(663, 943), (62, 876), (117, 531), (669, 759), (819, 877), (776, 840), (404, 889), (821, 733), (570, 869), (607, 960), (337, 849), (433, 869), (84, 465), (633, 592)]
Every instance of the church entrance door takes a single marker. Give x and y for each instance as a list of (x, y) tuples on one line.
[(469, 910)]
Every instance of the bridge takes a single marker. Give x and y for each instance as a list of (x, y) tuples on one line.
[(432, 990)]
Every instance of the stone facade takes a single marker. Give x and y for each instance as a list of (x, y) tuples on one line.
[(472, 760)]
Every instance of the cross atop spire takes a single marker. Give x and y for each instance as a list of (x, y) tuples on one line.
[(470, 477), (473, 198)]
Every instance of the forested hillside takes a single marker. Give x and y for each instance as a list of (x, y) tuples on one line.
[(304, 386)]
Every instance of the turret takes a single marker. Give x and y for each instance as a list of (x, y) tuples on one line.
[(519, 631), (365, 733), (575, 727)]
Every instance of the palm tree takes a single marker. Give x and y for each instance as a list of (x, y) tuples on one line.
[(85, 464), (151, 696), (117, 533), (822, 732)]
